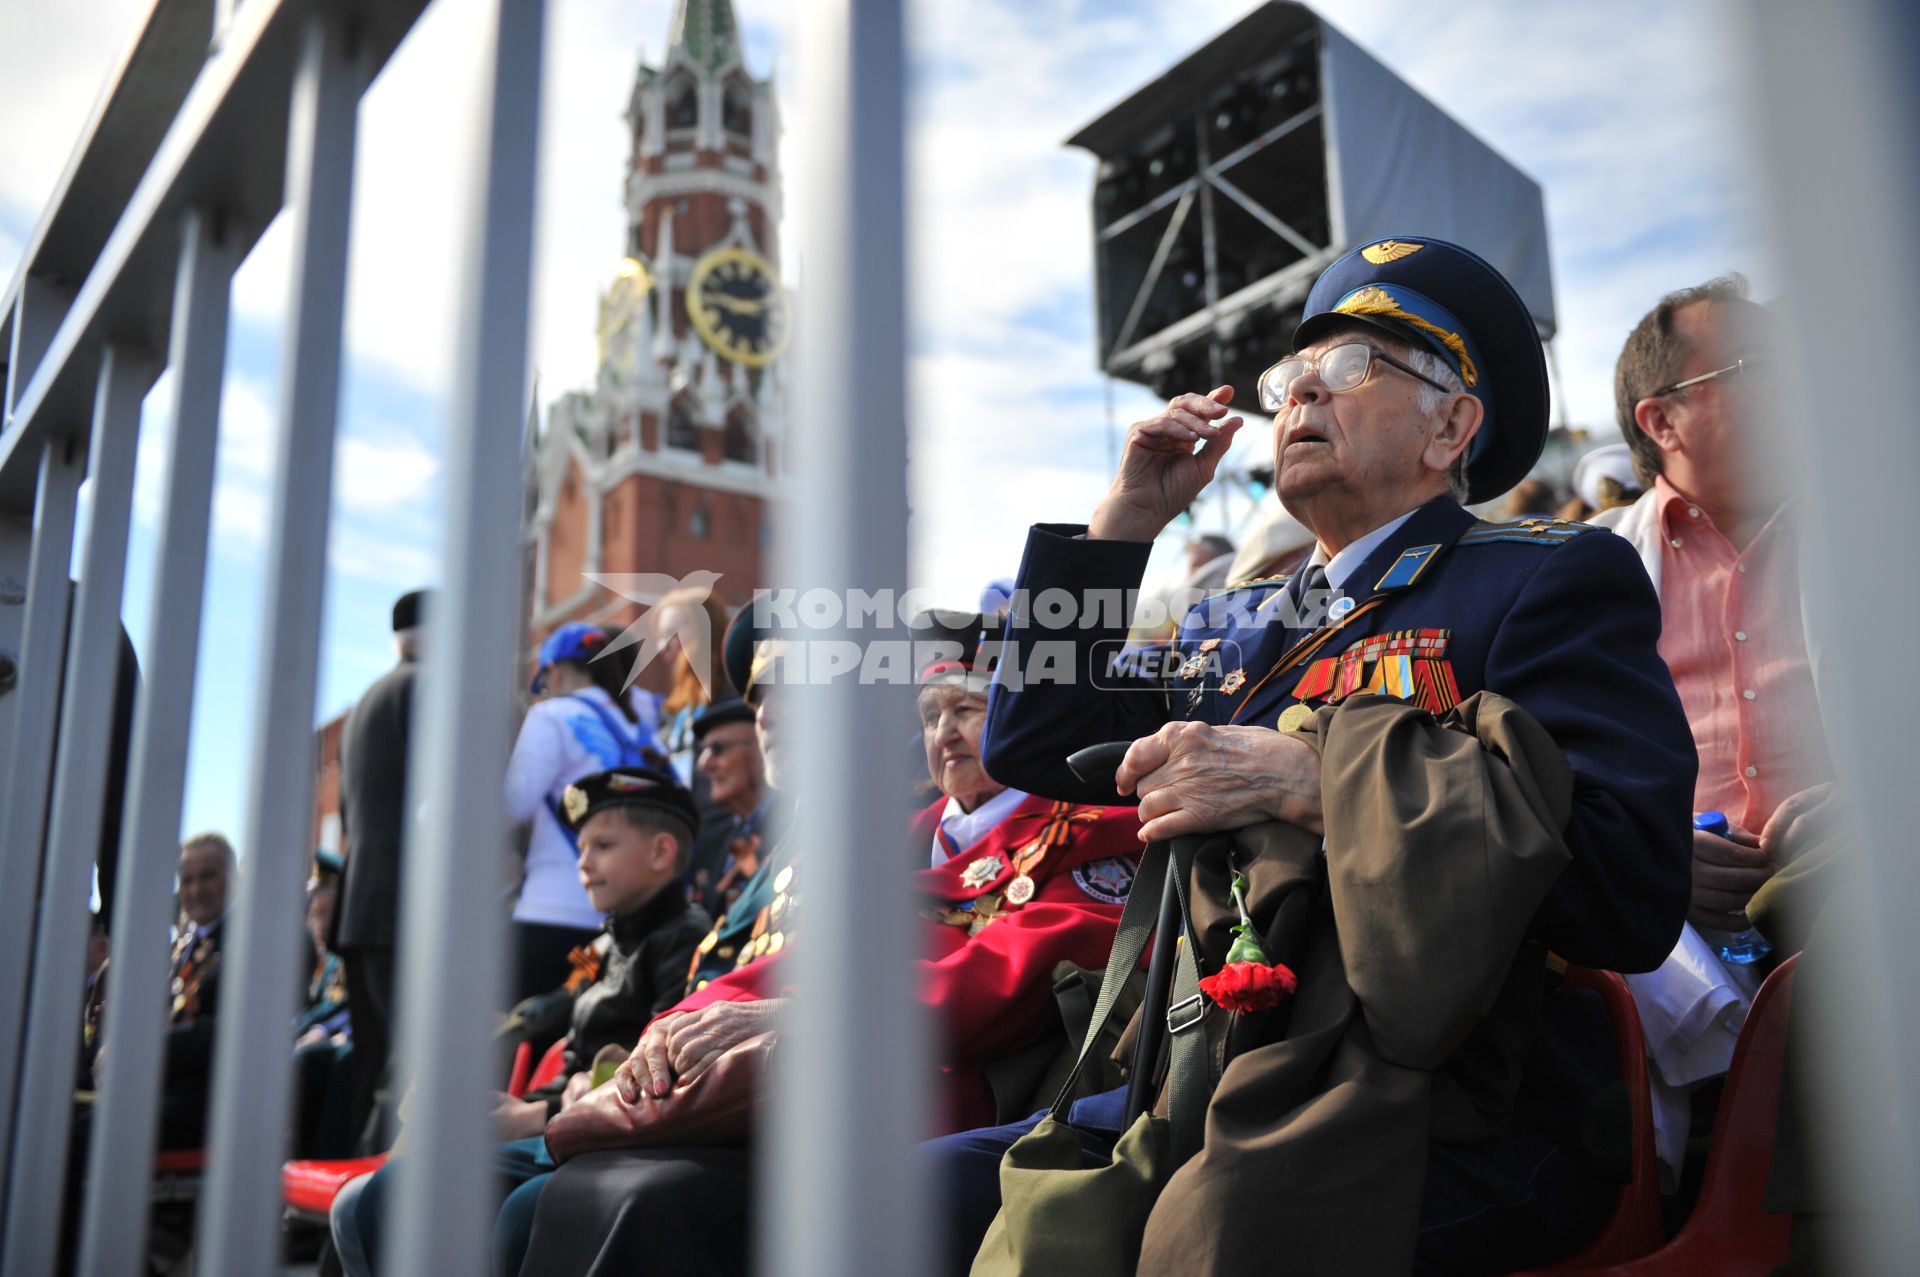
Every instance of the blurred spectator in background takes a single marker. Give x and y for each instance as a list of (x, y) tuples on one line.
[(207, 869), (1206, 568), (323, 1042), (1529, 496), (583, 724), (98, 946), (1208, 556), (1713, 532), (1604, 479), (373, 816), (728, 850), (1275, 546), (126, 686)]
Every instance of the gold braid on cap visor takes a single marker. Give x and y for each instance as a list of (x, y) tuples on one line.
[(1375, 300)]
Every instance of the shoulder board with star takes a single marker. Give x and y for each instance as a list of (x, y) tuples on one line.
[(1535, 531)]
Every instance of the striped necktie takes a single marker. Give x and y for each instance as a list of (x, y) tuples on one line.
[(1307, 596)]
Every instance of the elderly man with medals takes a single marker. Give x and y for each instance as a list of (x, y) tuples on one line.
[(1012, 887), (1466, 766)]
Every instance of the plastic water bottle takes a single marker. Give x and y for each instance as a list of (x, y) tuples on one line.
[(1737, 947)]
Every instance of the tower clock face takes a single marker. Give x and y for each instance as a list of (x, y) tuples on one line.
[(736, 304)]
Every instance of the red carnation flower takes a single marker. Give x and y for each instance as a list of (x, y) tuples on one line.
[(1250, 986), (1248, 982)]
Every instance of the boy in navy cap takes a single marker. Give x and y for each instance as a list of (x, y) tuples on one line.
[(635, 828)]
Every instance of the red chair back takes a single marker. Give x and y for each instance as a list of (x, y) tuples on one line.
[(1634, 1228), (522, 1069), (1730, 1230), (1730, 1233), (550, 1065)]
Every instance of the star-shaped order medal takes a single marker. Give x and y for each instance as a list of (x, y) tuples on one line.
[(981, 872), (1233, 682)]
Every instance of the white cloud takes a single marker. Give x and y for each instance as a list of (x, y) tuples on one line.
[(367, 551), (54, 59), (373, 475)]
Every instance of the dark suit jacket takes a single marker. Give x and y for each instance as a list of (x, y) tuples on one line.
[(373, 810), (195, 1012)]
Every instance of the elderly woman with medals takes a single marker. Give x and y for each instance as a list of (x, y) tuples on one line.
[(1012, 887)]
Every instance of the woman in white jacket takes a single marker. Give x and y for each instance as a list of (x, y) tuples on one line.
[(583, 724)]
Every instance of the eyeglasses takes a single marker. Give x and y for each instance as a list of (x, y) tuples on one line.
[(1733, 369), (1341, 369)]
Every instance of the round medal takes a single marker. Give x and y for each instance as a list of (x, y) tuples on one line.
[(1294, 717), (1020, 890)]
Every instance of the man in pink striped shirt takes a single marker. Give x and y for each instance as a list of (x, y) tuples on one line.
[(1716, 536)]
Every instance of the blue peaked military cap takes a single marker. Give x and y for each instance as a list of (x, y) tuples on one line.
[(1442, 298)]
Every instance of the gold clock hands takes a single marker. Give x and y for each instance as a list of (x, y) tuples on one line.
[(738, 305)]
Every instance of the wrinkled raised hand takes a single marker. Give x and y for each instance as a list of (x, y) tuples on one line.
[(1160, 473)]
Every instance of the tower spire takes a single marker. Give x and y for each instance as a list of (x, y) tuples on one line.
[(704, 33)]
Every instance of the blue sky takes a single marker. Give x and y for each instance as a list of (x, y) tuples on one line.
[(1622, 111)]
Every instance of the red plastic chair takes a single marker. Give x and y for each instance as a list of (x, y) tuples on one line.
[(308, 1186), (550, 1065), (176, 1174), (522, 1069), (1634, 1228), (1731, 1233)]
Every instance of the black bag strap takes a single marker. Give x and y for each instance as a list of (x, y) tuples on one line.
[(1189, 1080), (1189, 1086), (1137, 918)]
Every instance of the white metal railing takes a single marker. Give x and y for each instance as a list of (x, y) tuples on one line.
[(130, 272), (267, 96)]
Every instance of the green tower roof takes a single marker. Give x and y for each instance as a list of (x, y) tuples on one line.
[(706, 31)]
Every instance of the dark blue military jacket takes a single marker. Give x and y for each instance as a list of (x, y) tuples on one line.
[(1559, 618)]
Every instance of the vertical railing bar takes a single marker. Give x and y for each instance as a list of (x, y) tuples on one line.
[(1841, 215), (23, 807), (126, 1120), (447, 1189), (845, 1192), (240, 1212), (73, 824)]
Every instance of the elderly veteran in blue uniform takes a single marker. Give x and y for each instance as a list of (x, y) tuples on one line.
[(1417, 385)]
